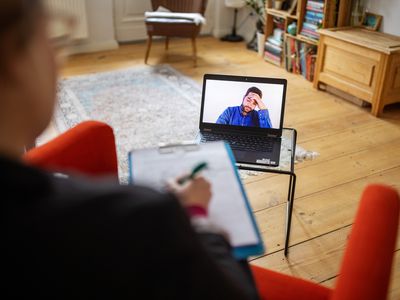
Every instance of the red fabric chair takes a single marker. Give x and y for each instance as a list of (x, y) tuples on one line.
[(366, 266), (89, 148)]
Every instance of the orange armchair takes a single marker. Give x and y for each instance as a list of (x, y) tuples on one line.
[(89, 148), (372, 239)]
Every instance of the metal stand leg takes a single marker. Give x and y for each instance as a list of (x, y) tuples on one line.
[(292, 186)]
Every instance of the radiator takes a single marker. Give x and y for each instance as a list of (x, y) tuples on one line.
[(77, 8)]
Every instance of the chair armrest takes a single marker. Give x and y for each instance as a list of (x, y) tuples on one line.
[(88, 148), (367, 262), (272, 285)]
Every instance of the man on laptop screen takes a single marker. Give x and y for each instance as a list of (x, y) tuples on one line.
[(245, 114)]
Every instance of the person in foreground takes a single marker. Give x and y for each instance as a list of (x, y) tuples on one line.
[(245, 114), (70, 237)]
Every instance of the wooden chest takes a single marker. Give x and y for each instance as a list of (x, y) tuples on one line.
[(362, 63)]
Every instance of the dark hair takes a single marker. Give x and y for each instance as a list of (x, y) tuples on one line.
[(17, 24), (254, 90)]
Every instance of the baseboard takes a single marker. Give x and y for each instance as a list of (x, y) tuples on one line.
[(94, 47), (220, 32)]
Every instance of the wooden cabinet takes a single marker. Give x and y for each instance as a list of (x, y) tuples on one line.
[(362, 63)]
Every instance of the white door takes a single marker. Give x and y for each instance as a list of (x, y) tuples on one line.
[(129, 19)]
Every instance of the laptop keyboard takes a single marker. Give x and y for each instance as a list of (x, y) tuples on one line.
[(240, 142)]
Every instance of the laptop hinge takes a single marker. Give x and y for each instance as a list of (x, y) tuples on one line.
[(207, 129)]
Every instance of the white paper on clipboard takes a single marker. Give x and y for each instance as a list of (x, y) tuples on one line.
[(229, 206)]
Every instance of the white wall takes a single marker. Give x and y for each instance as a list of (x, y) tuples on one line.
[(100, 26), (223, 21), (390, 10)]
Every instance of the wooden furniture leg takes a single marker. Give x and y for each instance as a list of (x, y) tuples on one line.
[(149, 40), (166, 43), (194, 51)]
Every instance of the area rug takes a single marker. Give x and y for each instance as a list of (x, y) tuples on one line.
[(144, 105)]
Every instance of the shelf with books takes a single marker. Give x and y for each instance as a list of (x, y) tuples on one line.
[(305, 39), (272, 60), (273, 51), (300, 57), (300, 22), (314, 17), (274, 40), (280, 13)]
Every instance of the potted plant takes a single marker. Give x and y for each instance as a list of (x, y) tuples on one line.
[(257, 43), (258, 7)]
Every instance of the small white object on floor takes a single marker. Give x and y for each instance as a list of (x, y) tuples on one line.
[(303, 154)]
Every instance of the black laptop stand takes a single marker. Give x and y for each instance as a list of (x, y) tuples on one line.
[(286, 166)]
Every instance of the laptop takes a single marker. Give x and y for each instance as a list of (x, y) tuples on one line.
[(247, 112)]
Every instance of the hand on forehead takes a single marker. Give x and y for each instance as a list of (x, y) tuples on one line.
[(253, 96)]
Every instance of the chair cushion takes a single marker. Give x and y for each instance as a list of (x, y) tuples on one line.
[(168, 20), (193, 17)]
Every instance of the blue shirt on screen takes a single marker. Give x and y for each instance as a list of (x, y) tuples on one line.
[(233, 116)]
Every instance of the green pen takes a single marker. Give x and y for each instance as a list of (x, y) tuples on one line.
[(195, 170)]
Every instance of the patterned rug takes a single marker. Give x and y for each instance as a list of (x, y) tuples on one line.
[(144, 105)]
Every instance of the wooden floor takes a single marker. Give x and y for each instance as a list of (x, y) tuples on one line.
[(355, 149)]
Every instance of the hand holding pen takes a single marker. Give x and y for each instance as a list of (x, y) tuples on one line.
[(192, 189), (196, 169)]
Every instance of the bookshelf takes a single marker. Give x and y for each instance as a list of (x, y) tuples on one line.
[(297, 50)]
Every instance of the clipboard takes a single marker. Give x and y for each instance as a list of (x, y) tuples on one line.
[(229, 206)]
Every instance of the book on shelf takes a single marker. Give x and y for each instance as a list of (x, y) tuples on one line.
[(278, 34), (293, 56), (286, 58), (313, 19), (274, 41), (303, 61), (310, 33), (273, 47), (272, 58), (307, 60), (312, 58), (276, 38), (310, 26), (300, 58), (315, 6), (275, 50)]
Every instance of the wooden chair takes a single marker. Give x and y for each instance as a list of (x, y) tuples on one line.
[(171, 29)]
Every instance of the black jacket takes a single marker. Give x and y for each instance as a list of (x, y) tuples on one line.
[(69, 238)]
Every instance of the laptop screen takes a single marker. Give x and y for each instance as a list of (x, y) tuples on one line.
[(242, 103)]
